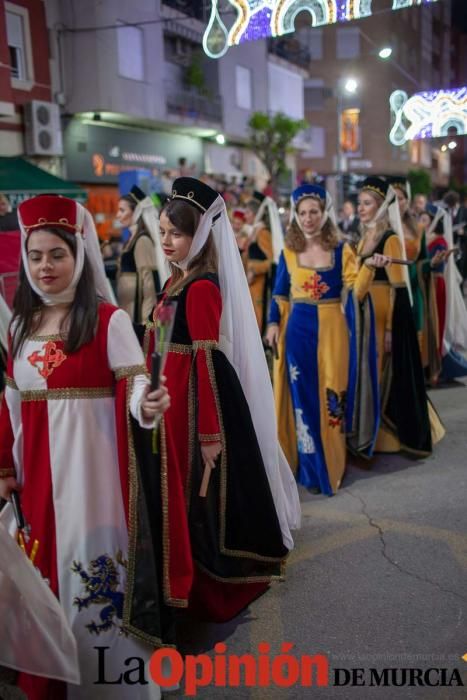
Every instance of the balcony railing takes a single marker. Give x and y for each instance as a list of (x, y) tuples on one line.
[(198, 10), (190, 104), (291, 50)]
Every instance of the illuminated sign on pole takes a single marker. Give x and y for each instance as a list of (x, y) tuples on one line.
[(427, 114), (260, 19)]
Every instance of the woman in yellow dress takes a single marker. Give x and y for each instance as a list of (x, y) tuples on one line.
[(258, 258), (408, 421), (317, 274)]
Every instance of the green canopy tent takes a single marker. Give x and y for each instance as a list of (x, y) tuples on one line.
[(20, 179)]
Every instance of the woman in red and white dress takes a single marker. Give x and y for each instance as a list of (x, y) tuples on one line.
[(74, 369), (229, 497)]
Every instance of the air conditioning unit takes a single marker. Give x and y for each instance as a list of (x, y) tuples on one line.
[(43, 131)]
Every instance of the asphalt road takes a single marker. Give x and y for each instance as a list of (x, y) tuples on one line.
[(377, 578)]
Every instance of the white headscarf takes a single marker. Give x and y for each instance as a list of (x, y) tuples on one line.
[(437, 217), (241, 342), (275, 224), (329, 211), (390, 207), (146, 209), (5, 318), (86, 244), (455, 332)]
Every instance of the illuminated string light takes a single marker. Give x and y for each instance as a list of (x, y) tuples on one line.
[(400, 4), (427, 114), (260, 19)]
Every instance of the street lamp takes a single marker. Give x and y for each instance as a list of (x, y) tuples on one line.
[(385, 53), (220, 139), (452, 145), (351, 86)]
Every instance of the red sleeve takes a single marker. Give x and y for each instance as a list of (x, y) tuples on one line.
[(203, 312), (7, 465)]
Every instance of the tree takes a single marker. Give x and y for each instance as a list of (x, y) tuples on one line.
[(420, 181), (271, 137), (194, 73)]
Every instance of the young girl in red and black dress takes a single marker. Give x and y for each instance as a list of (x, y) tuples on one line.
[(222, 546)]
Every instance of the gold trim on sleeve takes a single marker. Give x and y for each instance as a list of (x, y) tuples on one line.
[(10, 383), (209, 437), (130, 371)]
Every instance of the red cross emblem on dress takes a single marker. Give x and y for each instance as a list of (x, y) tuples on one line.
[(316, 287), (51, 359)]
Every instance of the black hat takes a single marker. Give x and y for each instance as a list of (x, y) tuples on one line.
[(376, 184), (137, 194), (194, 192), (431, 210), (259, 196), (400, 183)]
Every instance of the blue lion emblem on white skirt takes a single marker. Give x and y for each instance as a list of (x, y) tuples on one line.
[(101, 583)]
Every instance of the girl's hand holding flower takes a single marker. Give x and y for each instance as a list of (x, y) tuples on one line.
[(155, 402)]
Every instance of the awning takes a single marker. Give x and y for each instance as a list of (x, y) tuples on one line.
[(20, 179)]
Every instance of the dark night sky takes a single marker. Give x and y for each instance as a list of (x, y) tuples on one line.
[(459, 13)]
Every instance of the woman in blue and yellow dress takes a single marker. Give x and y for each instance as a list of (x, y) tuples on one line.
[(408, 420), (316, 275)]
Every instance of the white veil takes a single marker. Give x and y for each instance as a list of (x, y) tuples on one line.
[(94, 255), (455, 332), (241, 342), (275, 223), (329, 211), (5, 318), (150, 214), (390, 207)]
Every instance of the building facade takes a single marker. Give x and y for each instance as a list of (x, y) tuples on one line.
[(24, 76), (349, 133), (137, 90)]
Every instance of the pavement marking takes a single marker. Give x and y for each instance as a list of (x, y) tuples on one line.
[(456, 542)]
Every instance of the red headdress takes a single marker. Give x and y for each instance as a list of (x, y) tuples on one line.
[(238, 214), (48, 211), (53, 211)]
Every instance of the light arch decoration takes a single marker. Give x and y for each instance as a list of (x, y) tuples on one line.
[(261, 19), (283, 17), (427, 114), (401, 4)]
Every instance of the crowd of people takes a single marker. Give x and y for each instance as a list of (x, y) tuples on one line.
[(149, 494)]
